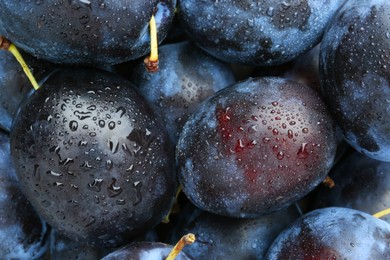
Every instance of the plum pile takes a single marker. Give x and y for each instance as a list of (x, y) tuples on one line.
[(226, 129)]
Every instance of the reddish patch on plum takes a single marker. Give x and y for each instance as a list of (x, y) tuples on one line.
[(271, 139)]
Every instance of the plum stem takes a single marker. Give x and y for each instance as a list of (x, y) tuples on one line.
[(328, 182), (382, 213), (184, 240), (166, 219), (5, 44), (151, 62)]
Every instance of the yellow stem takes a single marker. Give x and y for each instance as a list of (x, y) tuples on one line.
[(382, 213), (12, 48), (151, 62), (185, 240), (153, 40), (328, 182)]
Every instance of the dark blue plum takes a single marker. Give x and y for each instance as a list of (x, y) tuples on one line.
[(256, 147), (23, 234), (88, 32), (355, 75), (361, 183), (93, 158), (256, 32), (187, 76), (219, 237), (333, 233)]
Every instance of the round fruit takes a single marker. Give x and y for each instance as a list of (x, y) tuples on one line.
[(355, 75), (333, 233), (92, 158), (88, 32), (256, 32), (255, 147)]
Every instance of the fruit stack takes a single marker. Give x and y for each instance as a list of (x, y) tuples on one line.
[(245, 129)]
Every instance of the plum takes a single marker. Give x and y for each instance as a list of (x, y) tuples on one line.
[(93, 158), (256, 32), (355, 78), (88, 32), (333, 233), (255, 147)]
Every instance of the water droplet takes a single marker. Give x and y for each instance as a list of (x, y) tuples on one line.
[(120, 202), (239, 146), (270, 11), (305, 130), (113, 145), (111, 125), (102, 123), (86, 165), (91, 107), (275, 131), (95, 185), (113, 189), (58, 184), (252, 129), (302, 152), (285, 5), (138, 185), (130, 169), (266, 140), (74, 186), (290, 134), (252, 144), (122, 110), (109, 164), (73, 125), (83, 143), (82, 115), (54, 174), (280, 155), (66, 161)]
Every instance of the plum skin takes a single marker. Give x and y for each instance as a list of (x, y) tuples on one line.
[(256, 32), (255, 147), (355, 77), (333, 233), (187, 76), (85, 32), (92, 158)]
